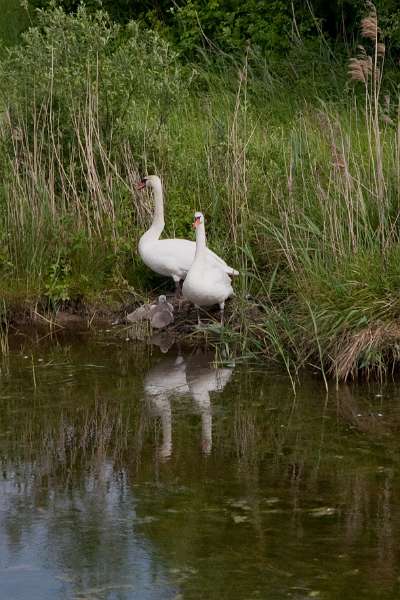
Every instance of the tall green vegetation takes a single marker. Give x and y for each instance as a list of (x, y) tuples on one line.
[(297, 172), (228, 26), (335, 226), (76, 102)]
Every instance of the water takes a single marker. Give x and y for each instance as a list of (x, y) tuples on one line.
[(131, 474)]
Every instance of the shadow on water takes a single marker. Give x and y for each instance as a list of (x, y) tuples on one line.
[(126, 473)]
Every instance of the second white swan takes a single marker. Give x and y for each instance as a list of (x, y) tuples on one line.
[(206, 283)]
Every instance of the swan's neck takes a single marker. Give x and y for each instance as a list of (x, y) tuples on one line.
[(201, 245), (157, 226)]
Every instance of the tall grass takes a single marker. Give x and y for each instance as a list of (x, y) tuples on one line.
[(335, 227), (300, 186)]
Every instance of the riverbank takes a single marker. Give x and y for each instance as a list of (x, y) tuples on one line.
[(252, 330), (120, 318), (296, 170)]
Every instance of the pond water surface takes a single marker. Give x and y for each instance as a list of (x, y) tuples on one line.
[(131, 474)]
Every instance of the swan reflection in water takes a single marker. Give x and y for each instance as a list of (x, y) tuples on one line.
[(164, 381), (172, 378), (203, 379)]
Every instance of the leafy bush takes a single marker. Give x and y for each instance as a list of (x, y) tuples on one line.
[(75, 56), (230, 25)]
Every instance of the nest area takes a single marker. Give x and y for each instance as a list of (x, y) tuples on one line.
[(183, 328)]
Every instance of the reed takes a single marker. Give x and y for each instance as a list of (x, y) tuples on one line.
[(332, 232)]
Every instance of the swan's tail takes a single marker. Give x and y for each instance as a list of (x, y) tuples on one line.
[(232, 272)]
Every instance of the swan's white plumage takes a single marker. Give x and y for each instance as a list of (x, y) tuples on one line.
[(170, 257), (206, 283)]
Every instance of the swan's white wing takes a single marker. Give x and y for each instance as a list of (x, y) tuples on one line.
[(221, 263), (170, 257), (180, 250), (185, 250), (174, 257)]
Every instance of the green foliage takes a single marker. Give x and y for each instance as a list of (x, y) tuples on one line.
[(58, 285), (229, 26), (15, 18), (360, 289), (72, 53)]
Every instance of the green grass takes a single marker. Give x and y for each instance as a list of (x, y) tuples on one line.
[(296, 171)]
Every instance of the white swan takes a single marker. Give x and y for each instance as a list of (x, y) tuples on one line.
[(170, 257), (206, 283)]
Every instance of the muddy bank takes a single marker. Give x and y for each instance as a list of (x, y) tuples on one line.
[(116, 318), (250, 330)]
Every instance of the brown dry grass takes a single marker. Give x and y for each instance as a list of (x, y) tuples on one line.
[(354, 349)]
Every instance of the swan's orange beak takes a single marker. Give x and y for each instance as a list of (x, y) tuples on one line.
[(196, 222), (141, 184)]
